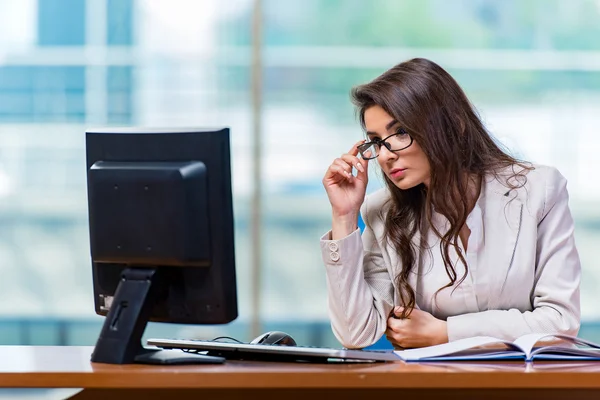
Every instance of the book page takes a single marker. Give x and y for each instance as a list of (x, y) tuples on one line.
[(455, 348), (556, 345), (528, 342)]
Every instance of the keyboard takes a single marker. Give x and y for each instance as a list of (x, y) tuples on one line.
[(264, 352)]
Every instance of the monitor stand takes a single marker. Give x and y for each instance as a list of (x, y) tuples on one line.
[(120, 339)]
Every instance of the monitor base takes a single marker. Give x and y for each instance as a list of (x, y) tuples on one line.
[(120, 339)]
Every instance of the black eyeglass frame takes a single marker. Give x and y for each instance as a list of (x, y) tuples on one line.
[(365, 146)]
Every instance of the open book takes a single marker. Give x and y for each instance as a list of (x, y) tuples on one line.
[(533, 346)]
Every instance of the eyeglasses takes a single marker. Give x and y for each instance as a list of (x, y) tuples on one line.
[(395, 142)]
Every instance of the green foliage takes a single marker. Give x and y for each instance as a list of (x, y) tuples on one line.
[(565, 25), (502, 24)]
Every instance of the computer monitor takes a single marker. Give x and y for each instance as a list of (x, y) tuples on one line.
[(161, 236)]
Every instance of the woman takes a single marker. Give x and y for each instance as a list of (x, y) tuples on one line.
[(463, 241)]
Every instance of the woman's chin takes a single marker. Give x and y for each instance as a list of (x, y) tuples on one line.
[(406, 181), (405, 184)]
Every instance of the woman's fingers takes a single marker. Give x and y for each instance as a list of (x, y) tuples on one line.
[(354, 162), (339, 170), (393, 337), (395, 324), (360, 164), (397, 311), (344, 165)]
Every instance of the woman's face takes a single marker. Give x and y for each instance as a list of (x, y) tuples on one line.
[(406, 168)]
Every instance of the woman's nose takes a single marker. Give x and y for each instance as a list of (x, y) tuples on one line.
[(387, 154)]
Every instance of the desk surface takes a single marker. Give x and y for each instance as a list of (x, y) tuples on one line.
[(70, 366)]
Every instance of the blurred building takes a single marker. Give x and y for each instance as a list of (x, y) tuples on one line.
[(532, 70)]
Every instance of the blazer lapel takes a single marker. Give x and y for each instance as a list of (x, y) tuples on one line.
[(502, 223)]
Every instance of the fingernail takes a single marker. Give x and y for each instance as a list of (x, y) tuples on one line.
[(360, 167)]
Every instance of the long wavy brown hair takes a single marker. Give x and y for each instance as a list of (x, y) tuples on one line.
[(431, 106)]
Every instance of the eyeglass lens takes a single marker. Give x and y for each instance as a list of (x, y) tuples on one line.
[(395, 142)]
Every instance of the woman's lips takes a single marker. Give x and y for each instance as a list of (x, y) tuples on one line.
[(397, 172)]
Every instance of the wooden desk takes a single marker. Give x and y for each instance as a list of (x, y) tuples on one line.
[(70, 367)]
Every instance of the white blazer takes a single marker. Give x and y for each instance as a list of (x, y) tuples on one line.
[(528, 267)]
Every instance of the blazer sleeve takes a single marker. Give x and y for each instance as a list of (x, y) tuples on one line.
[(555, 297), (360, 291)]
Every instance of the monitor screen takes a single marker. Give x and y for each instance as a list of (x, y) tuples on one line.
[(161, 233)]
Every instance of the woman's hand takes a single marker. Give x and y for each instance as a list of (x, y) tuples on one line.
[(346, 192), (420, 329)]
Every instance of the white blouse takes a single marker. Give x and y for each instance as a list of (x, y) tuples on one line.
[(470, 295)]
